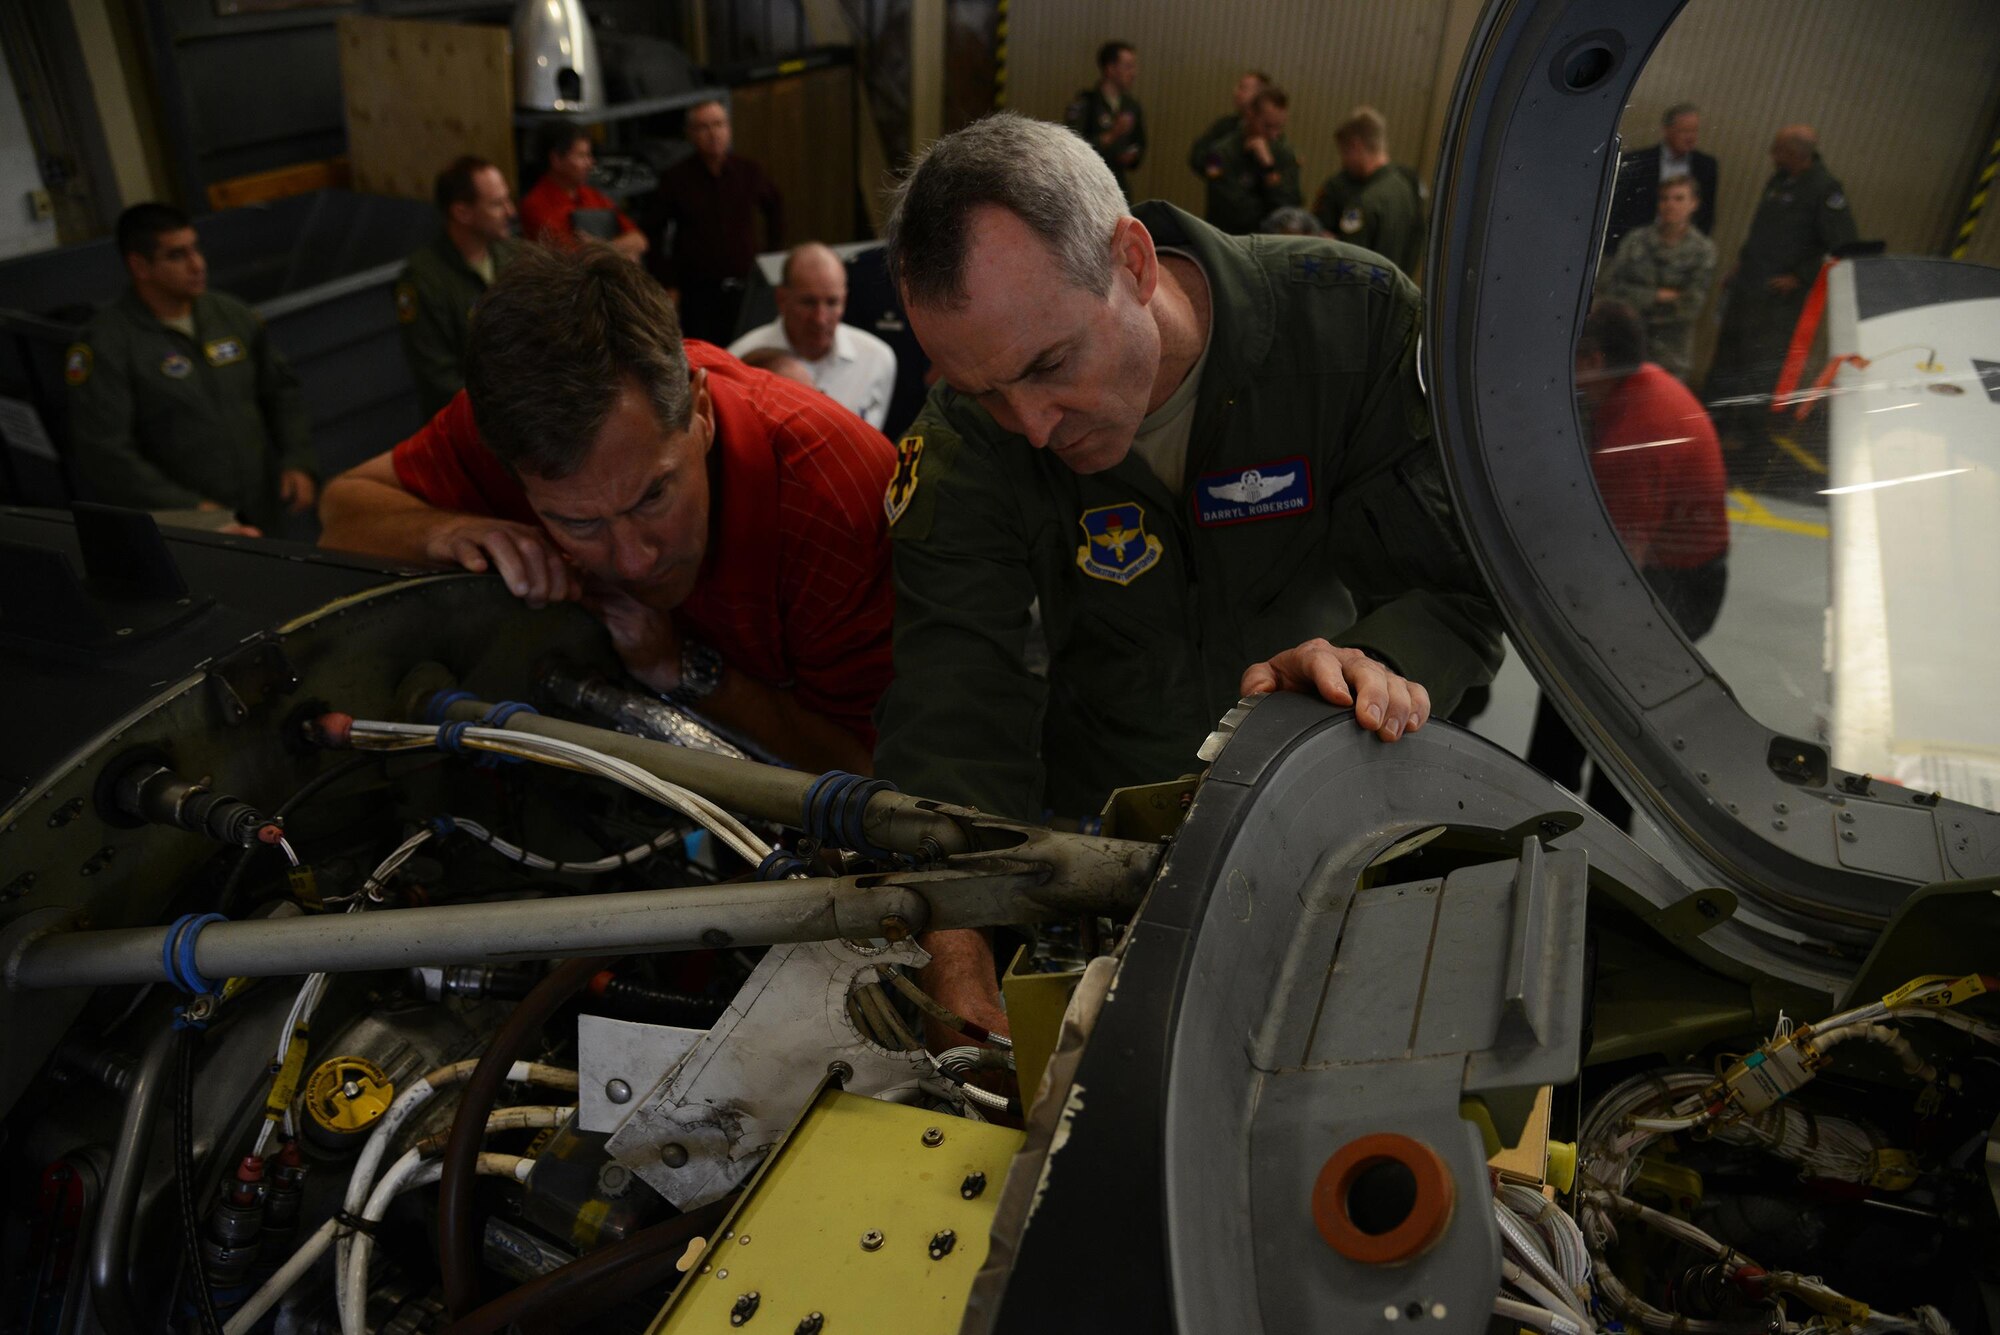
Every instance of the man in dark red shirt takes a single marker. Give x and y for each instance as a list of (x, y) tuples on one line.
[(712, 197), (548, 212), (725, 523), (1659, 471), (1658, 465)]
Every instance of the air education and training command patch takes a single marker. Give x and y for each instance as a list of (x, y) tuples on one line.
[(76, 363), (903, 486), (1116, 546)]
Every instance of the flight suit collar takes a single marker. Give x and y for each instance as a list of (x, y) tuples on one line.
[(141, 315), (1242, 315), (447, 250), (1242, 309)]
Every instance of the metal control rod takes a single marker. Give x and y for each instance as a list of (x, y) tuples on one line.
[(749, 914), (896, 821)]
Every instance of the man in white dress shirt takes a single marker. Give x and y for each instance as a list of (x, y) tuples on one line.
[(850, 366)]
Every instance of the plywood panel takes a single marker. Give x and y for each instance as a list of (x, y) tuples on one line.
[(800, 130), (419, 95)]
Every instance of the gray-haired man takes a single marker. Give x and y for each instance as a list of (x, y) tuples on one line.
[(1205, 456)]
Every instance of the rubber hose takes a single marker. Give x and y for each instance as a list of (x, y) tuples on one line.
[(590, 1285), (458, 1237)]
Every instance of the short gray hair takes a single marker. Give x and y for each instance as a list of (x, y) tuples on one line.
[(1678, 110), (1041, 173)]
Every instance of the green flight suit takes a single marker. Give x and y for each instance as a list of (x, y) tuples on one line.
[(1643, 265), (434, 301), (1383, 213), (1208, 140), (1092, 118), (1347, 532), (161, 421), (1242, 191), (1799, 222)]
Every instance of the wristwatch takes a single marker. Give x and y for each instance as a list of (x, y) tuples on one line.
[(701, 673)]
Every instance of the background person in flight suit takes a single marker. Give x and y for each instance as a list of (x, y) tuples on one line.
[(1372, 202), (178, 401), (1248, 85), (1205, 456), (1801, 219), (1252, 172), (1108, 117), (445, 280)]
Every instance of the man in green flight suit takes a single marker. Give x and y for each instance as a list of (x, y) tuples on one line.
[(1248, 85), (177, 399), (1802, 218), (1372, 202), (1252, 172), (443, 282), (1108, 117), (1205, 457)]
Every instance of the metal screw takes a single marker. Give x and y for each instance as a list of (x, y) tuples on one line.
[(200, 1008), (933, 1137), (871, 1241), (973, 1186), (124, 630), (1778, 824), (839, 1072), (896, 927), (742, 1239), (617, 1091), (745, 1308), (1847, 818), (1780, 808), (812, 1324), (1707, 909), (942, 1242), (674, 1155), (722, 1274), (1850, 836)]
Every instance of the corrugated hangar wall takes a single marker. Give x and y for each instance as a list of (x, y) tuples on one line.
[(1904, 96)]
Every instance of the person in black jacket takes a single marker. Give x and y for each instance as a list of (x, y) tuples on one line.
[(1640, 173)]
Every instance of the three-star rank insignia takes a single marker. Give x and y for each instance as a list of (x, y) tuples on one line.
[(903, 486), (1116, 546)]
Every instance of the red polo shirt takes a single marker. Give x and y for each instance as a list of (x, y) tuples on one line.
[(795, 589), (545, 211), (1659, 469)]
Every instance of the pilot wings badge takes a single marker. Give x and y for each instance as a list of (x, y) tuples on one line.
[(1265, 491), (1116, 546)]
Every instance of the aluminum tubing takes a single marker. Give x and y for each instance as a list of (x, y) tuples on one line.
[(704, 917), (111, 1242), (747, 787)]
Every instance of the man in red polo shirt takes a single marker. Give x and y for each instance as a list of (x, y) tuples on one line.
[(726, 524), (1659, 472), (548, 212)]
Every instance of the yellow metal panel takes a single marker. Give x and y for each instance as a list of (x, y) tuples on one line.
[(1035, 1006), (842, 1220)]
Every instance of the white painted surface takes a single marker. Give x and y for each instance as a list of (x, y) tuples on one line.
[(20, 232)]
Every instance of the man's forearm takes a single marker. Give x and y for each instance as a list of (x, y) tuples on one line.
[(775, 720), (360, 515)]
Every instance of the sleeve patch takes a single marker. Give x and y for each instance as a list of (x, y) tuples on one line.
[(76, 363), (406, 303), (903, 486)]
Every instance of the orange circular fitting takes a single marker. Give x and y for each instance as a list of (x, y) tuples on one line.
[(1383, 1199)]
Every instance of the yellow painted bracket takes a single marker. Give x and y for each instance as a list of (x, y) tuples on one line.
[(1035, 1006), (872, 1215)]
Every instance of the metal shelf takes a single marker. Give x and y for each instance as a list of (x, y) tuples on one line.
[(621, 111)]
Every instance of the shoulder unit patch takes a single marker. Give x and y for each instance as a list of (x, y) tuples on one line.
[(903, 486)]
